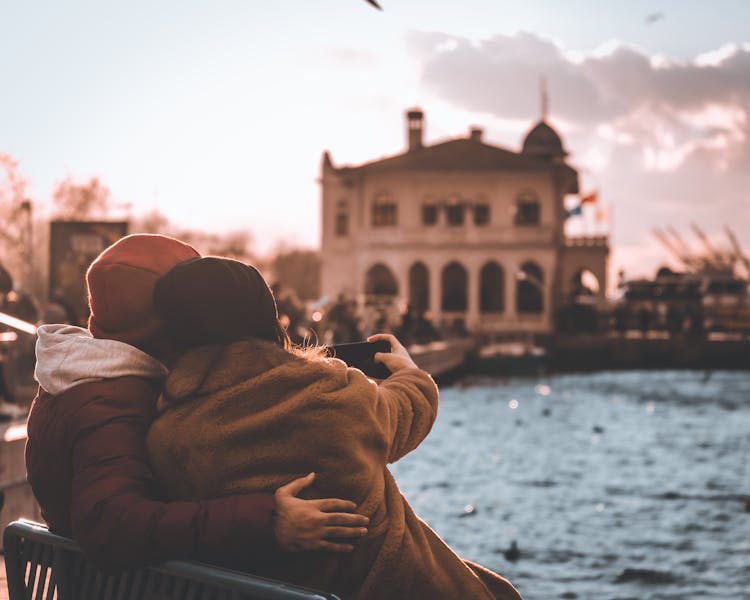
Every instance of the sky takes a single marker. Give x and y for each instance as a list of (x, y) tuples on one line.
[(217, 113)]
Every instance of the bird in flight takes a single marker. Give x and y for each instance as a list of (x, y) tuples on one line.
[(654, 17), (375, 4)]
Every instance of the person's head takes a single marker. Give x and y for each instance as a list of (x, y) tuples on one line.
[(120, 285), (214, 300)]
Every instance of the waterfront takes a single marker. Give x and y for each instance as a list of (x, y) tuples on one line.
[(616, 485)]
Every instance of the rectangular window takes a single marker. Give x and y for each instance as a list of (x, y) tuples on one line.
[(342, 225), (455, 214), (527, 213), (429, 214), (481, 214), (383, 215), (391, 214)]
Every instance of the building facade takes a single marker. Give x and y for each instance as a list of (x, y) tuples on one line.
[(463, 231)]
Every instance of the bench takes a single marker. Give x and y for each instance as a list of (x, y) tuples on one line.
[(43, 566)]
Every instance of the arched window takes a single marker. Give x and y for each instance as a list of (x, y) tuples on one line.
[(584, 286), (454, 287), (528, 211), (379, 281), (491, 288), (419, 287), (341, 224), (530, 289), (384, 210), (584, 283)]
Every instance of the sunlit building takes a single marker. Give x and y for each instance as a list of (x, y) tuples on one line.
[(466, 231)]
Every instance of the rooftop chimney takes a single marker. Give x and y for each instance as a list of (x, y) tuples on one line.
[(475, 134), (414, 122)]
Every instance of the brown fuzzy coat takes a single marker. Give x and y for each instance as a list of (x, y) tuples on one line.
[(251, 417)]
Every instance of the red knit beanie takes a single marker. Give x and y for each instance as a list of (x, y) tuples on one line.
[(120, 284)]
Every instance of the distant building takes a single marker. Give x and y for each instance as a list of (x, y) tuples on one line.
[(468, 232)]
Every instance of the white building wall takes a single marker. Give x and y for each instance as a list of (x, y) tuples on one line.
[(346, 260)]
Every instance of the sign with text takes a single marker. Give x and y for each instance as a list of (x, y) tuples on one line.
[(73, 246)]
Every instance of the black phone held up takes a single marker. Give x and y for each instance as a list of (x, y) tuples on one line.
[(361, 355)]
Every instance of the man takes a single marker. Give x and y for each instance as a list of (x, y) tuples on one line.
[(86, 454)]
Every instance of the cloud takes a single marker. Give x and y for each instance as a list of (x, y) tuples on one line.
[(501, 75), (666, 141)]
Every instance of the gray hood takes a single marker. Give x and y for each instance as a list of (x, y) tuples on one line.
[(67, 356)]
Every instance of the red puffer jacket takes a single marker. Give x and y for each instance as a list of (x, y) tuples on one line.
[(88, 466)]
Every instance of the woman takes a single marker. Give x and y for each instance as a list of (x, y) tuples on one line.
[(242, 411), (86, 456)]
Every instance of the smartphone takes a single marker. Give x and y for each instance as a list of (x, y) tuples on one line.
[(360, 355)]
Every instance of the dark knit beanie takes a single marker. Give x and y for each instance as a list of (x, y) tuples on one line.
[(215, 300), (120, 285)]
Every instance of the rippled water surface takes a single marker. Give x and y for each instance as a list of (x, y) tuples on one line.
[(627, 485)]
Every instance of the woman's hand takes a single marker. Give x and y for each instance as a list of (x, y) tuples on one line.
[(398, 358), (311, 524)]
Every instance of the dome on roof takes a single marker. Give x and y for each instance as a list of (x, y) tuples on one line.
[(542, 140)]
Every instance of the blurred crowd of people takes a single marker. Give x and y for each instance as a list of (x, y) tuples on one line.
[(324, 322), (343, 320)]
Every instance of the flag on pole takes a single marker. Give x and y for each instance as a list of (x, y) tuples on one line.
[(590, 198)]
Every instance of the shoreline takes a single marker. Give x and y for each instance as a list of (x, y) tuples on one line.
[(454, 358)]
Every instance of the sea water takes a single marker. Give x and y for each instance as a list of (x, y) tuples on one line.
[(614, 485)]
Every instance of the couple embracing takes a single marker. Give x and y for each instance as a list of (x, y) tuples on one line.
[(183, 423)]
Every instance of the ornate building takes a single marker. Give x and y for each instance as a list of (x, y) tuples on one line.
[(464, 230)]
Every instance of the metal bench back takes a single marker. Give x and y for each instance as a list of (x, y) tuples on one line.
[(43, 566)]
